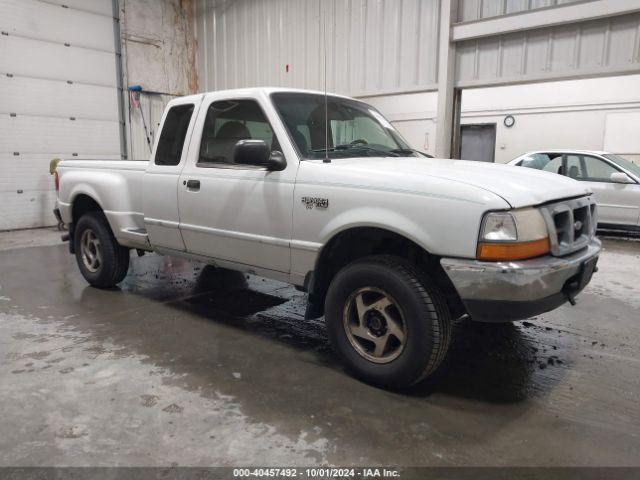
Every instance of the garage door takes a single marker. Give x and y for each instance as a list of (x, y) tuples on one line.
[(58, 98)]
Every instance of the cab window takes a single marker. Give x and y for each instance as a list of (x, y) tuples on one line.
[(174, 131), (229, 121)]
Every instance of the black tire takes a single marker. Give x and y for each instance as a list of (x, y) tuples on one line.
[(114, 262), (421, 306)]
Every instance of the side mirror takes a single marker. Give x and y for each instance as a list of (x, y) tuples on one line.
[(621, 177), (256, 152)]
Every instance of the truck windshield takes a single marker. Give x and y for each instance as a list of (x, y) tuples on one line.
[(355, 128)]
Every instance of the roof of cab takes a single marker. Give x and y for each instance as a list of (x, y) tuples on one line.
[(269, 90), (254, 90)]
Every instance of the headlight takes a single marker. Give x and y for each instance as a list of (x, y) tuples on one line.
[(499, 227), (513, 235)]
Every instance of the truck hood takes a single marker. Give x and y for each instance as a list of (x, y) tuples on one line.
[(519, 187)]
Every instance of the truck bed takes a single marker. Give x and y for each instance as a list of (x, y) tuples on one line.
[(116, 185)]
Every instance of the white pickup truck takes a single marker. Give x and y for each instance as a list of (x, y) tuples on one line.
[(391, 246)]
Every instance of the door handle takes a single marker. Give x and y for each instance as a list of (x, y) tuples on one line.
[(193, 185)]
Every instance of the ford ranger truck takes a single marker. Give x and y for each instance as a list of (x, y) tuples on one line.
[(391, 246)]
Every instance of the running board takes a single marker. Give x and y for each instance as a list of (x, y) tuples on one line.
[(142, 232), (137, 236)]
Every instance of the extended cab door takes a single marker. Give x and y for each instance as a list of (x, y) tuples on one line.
[(160, 196), (230, 212)]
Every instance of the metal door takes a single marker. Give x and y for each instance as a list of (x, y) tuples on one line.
[(59, 99), (478, 142)]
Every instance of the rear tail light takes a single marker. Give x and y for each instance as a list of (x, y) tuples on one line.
[(56, 181)]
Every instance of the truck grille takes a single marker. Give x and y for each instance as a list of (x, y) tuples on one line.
[(571, 223)]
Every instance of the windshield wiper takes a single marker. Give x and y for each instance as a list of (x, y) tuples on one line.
[(348, 146), (406, 151)]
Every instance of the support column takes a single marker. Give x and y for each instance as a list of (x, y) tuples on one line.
[(117, 40), (446, 76)]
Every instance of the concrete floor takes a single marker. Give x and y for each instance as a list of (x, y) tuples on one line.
[(186, 365)]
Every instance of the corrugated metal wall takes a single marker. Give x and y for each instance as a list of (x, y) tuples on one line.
[(470, 10), (590, 48), (373, 45)]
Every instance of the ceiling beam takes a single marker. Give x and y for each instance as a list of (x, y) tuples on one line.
[(544, 17)]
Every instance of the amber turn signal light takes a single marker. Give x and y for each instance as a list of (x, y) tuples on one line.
[(500, 251)]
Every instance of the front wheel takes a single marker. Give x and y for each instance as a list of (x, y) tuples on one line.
[(389, 324), (103, 262)]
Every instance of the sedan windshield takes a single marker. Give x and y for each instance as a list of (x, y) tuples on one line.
[(355, 129), (624, 163)]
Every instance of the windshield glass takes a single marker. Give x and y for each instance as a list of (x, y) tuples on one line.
[(355, 128), (624, 163)]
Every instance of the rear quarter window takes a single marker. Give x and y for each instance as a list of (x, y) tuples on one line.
[(174, 131)]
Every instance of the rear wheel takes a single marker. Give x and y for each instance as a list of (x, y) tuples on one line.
[(103, 262), (387, 321)]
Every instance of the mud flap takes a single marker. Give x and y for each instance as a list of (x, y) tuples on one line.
[(576, 284), (314, 310)]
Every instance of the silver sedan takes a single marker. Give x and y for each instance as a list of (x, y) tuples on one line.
[(615, 181)]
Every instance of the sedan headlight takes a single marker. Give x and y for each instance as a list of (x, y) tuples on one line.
[(513, 235)]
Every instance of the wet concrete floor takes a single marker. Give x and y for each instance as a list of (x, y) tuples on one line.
[(188, 365)]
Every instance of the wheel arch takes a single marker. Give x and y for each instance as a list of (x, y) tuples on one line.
[(356, 242), (81, 204)]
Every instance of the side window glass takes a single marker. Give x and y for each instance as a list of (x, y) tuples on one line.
[(173, 134), (575, 167), (535, 160), (554, 165), (229, 121), (596, 170)]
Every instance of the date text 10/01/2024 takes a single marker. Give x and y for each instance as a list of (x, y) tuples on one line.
[(316, 472)]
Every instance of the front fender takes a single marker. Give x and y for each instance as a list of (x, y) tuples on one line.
[(378, 217)]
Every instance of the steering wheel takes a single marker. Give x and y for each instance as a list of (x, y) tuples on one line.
[(359, 141)]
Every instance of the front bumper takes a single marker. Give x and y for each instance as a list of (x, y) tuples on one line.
[(506, 291)]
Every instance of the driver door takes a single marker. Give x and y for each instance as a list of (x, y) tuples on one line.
[(236, 213)]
